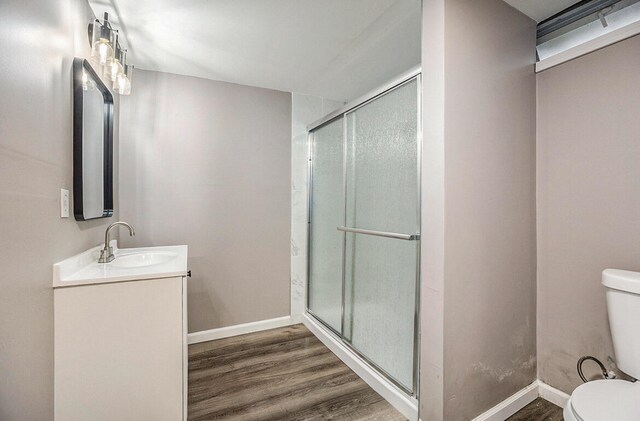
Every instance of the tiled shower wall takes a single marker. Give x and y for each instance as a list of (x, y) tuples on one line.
[(305, 109)]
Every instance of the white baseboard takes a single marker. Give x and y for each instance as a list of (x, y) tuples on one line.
[(522, 398), (296, 318), (511, 405), (406, 405), (553, 395), (225, 332)]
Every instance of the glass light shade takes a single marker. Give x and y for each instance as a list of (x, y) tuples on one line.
[(120, 82), (122, 85), (114, 66), (102, 42)]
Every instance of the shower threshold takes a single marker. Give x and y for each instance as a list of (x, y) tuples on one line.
[(405, 404)]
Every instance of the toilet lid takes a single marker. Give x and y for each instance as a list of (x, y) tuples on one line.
[(605, 400)]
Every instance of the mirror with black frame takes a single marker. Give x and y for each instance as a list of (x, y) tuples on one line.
[(92, 144)]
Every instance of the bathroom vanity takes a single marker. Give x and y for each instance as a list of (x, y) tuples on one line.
[(121, 335)]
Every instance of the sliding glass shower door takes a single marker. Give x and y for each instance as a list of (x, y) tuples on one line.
[(366, 252), (327, 210)]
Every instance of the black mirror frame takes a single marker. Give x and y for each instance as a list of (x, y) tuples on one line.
[(80, 64)]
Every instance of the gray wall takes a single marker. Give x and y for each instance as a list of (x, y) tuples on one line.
[(588, 202), (208, 164), (490, 237), (38, 40), (485, 184)]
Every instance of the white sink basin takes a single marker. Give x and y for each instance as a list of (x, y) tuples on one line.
[(136, 260), (130, 264)]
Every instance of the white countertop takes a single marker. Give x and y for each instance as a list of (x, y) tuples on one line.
[(84, 269)]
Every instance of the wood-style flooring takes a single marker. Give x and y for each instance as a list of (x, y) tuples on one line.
[(280, 374), (538, 410)]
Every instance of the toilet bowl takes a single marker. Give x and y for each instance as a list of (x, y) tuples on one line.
[(615, 400), (604, 400)]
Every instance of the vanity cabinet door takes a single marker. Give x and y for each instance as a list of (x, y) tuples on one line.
[(119, 351)]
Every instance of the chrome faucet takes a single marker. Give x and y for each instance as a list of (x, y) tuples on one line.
[(106, 254)]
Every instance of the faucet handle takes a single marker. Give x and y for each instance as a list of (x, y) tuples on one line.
[(106, 255)]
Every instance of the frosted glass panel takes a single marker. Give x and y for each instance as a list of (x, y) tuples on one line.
[(380, 302), (327, 213), (379, 274), (382, 161), (382, 195)]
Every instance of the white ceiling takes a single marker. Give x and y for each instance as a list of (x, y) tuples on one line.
[(539, 10), (337, 49)]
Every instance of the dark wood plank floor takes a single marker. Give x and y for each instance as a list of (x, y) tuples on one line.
[(538, 410), (279, 374)]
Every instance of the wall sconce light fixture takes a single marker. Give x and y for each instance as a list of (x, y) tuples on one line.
[(113, 67), (122, 85), (107, 51), (102, 40)]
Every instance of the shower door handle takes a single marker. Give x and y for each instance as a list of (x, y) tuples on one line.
[(408, 237)]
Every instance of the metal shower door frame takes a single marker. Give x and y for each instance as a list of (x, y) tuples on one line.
[(413, 74)]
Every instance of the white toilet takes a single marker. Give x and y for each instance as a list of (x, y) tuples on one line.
[(615, 400)]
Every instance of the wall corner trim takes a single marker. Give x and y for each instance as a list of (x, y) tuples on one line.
[(522, 398), (511, 405), (553, 395), (297, 318), (241, 329)]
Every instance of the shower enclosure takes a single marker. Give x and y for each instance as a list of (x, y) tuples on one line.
[(364, 227)]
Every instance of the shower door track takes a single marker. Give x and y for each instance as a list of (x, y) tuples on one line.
[(413, 74), (357, 103)]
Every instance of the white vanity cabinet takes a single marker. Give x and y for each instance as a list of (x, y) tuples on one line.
[(121, 348)]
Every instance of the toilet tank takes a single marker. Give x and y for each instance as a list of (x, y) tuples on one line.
[(623, 306)]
